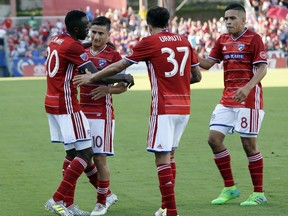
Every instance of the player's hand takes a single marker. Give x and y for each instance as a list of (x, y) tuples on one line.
[(82, 79), (241, 94), (129, 79), (99, 92)]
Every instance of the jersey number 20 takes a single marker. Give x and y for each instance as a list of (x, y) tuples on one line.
[(54, 54)]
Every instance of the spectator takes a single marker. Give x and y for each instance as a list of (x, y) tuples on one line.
[(89, 13)]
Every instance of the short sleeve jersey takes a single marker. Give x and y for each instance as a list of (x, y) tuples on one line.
[(101, 108), (64, 56), (169, 58), (239, 56)]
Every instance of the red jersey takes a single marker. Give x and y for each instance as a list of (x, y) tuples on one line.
[(64, 56), (169, 58), (98, 109), (239, 56)]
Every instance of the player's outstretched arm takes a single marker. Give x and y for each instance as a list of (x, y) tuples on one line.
[(206, 63), (108, 71), (127, 78)]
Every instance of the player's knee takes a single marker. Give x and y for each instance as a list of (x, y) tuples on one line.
[(85, 154), (211, 141), (99, 159), (72, 153)]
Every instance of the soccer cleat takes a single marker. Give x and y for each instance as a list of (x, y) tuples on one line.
[(256, 198), (227, 194), (160, 212), (76, 211), (99, 209), (57, 208), (111, 199)]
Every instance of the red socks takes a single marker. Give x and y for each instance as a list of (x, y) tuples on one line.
[(222, 160), (72, 173), (256, 171), (103, 187), (166, 186)]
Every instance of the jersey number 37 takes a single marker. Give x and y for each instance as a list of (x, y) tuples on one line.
[(171, 59)]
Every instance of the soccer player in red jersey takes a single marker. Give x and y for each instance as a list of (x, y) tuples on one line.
[(172, 66), (99, 110), (65, 57), (241, 106)]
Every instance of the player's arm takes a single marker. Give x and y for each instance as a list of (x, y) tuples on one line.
[(242, 93), (206, 63), (110, 70), (127, 78), (196, 75), (258, 76), (102, 91)]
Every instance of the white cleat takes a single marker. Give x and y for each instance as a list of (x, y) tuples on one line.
[(57, 208), (160, 212), (99, 209), (110, 200), (76, 211)]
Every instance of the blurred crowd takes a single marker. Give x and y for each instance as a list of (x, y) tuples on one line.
[(128, 27)]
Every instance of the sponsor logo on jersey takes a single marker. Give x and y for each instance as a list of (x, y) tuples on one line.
[(224, 48), (102, 62), (263, 55), (234, 56), (241, 47), (84, 56)]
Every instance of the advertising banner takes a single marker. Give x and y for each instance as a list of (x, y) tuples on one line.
[(18, 64)]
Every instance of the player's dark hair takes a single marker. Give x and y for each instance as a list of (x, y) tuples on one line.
[(73, 19), (102, 21), (235, 6), (158, 17)]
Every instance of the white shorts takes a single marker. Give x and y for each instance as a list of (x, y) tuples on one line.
[(71, 129), (245, 121), (165, 132), (102, 132)]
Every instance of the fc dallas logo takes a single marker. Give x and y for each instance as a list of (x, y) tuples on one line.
[(241, 47)]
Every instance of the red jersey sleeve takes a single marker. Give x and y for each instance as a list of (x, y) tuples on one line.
[(216, 52), (141, 52), (259, 50), (194, 59)]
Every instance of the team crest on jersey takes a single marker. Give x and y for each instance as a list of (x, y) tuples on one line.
[(84, 56), (102, 62), (241, 47), (263, 55)]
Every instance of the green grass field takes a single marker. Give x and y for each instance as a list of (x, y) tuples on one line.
[(30, 165)]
